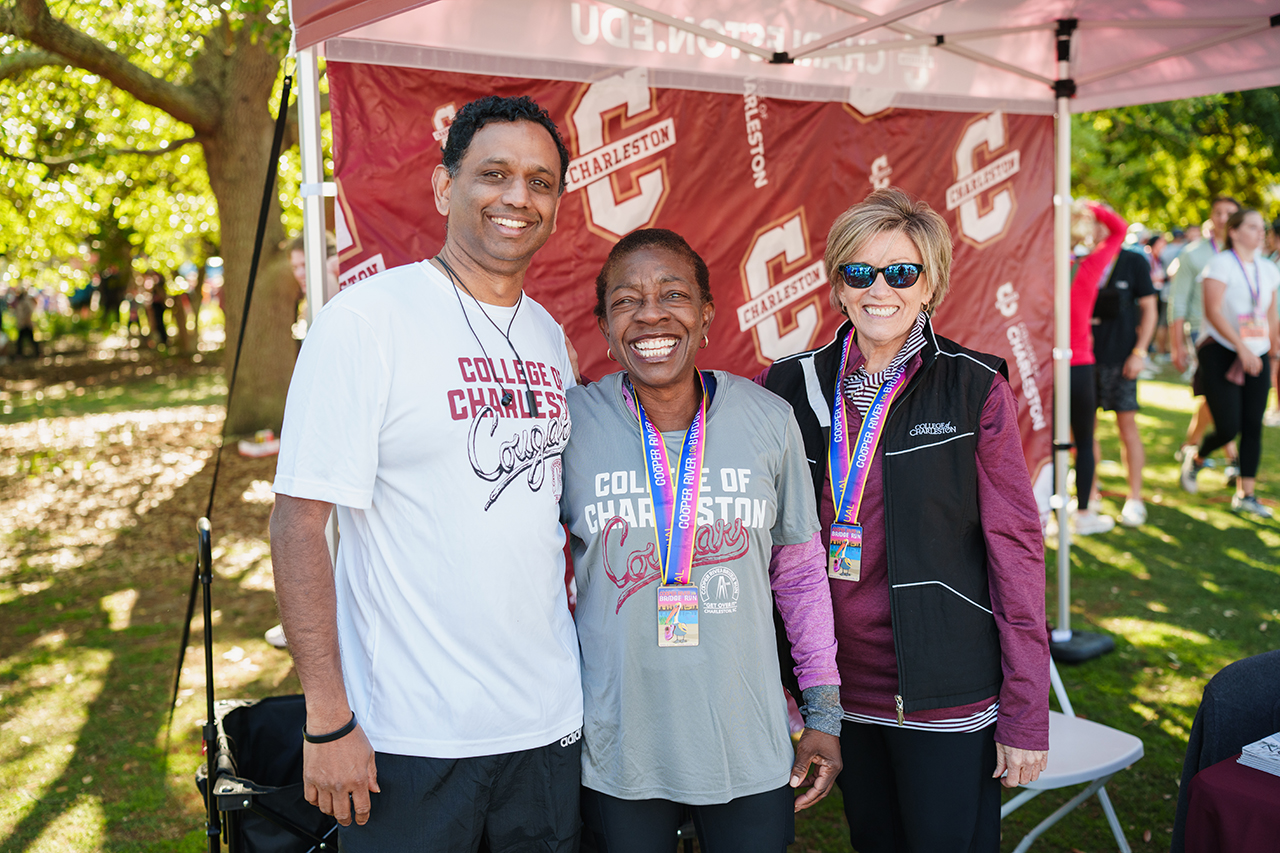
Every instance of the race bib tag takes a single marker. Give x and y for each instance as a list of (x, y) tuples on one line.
[(844, 556), (677, 615), (1253, 330)]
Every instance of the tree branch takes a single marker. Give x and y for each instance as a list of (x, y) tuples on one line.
[(90, 153), (31, 20), (17, 64)]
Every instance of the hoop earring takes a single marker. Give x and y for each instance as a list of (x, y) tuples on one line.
[(705, 342), (609, 354)]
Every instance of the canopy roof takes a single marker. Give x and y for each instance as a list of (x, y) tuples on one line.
[(930, 54)]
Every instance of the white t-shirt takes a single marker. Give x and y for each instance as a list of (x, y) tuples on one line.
[(456, 638), (1238, 299)]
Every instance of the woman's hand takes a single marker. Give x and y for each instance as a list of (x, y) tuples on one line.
[(1019, 766), (1251, 363), (818, 763)]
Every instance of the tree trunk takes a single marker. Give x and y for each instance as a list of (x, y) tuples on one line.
[(237, 156)]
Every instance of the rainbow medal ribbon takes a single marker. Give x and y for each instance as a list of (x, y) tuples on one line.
[(675, 510), (1253, 326), (848, 472)]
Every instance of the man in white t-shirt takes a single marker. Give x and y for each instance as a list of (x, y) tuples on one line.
[(438, 657)]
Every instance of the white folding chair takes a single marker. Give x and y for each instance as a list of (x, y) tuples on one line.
[(1079, 751)]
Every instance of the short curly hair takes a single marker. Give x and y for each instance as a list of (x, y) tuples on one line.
[(476, 114), (653, 237)]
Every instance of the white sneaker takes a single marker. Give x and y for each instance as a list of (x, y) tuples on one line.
[(1249, 505), (275, 636), (1134, 513), (1271, 418), (1189, 471), (1090, 522)]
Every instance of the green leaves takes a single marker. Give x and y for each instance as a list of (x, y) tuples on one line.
[(1162, 164)]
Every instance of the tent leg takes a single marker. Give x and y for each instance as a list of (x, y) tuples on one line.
[(1065, 644), (1062, 358), (313, 224)]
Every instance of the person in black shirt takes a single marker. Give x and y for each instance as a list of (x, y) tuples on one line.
[(1124, 321)]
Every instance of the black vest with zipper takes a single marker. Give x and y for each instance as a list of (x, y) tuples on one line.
[(944, 633)]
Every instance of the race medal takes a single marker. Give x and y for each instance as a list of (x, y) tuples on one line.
[(844, 555), (675, 512), (677, 615), (848, 469), (1253, 329), (1253, 326)]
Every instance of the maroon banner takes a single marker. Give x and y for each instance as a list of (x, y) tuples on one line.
[(752, 184)]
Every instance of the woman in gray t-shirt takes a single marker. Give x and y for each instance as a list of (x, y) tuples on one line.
[(687, 495)]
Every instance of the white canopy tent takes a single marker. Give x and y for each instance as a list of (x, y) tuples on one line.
[(1021, 56)]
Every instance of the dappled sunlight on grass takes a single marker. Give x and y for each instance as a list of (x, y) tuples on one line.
[(79, 827), (46, 696), (1142, 632)]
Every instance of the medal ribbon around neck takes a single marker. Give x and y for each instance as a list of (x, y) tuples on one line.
[(675, 501), (1255, 293), (849, 470)]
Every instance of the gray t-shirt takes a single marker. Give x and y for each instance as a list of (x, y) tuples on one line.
[(701, 724)]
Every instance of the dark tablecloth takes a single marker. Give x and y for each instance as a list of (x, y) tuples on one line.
[(1233, 809)]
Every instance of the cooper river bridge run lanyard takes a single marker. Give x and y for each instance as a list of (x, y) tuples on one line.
[(1253, 326), (675, 510), (849, 471)]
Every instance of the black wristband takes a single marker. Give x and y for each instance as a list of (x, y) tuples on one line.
[(337, 734)]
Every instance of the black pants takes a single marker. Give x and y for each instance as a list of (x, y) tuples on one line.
[(1084, 408), (760, 823), (910, 791), (517, 802), (1236, 410)]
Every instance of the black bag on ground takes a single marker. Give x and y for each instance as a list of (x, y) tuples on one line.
[(259, 784)]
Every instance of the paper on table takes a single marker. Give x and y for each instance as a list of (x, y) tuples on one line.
[(1263, 755)]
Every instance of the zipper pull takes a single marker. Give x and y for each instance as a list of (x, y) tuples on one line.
[(897, 702)]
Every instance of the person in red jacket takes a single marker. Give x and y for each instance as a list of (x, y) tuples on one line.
[(1088, 273)]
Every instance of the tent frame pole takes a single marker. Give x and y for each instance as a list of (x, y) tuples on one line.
[(313, 222), (1065, 644), (312, 177), (1062, 351)]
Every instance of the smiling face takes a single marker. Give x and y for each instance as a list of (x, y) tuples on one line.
[(881, 314), (502, 202), (655, 318)]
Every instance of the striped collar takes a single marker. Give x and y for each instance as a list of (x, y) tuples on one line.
[(860, 387)]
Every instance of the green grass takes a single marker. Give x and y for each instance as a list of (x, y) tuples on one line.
[(143, 388), (88, 625)]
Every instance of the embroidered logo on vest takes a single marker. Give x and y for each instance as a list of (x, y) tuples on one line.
[(932, 429)]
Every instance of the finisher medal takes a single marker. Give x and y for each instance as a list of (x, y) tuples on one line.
[(677, 615), (844, 556), (848, 472), (675, 510)]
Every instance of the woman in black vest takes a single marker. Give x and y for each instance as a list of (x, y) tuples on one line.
[(936, 562)]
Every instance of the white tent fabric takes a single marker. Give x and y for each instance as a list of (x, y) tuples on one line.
[(1019, 56), (928, 54)]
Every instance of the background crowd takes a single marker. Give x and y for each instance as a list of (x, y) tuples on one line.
[(1202, 299)]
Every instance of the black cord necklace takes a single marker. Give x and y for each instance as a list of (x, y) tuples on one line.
[(507, 396)]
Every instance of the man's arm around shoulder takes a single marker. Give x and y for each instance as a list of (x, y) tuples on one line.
[(338, 775)]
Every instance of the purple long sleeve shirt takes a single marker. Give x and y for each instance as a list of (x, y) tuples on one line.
[(1015, 570)]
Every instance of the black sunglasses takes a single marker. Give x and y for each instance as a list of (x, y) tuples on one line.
[(861, 276)]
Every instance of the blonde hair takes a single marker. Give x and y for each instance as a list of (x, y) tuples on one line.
[(891, 210), (1082, 223)]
